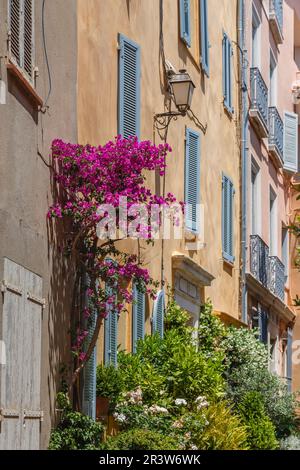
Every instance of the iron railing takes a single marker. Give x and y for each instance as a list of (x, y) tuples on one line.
[(276, 277), (276, 131), (259, 259), (259, 95)]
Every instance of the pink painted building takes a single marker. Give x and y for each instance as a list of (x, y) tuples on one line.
[(273, 46)]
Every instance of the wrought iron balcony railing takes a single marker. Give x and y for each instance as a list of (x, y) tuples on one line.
[(276, 277), (276, 19), (259, 110), (276, 136), (259, 259)]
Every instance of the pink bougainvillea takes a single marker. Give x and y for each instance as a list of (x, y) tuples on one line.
[(88, 177)]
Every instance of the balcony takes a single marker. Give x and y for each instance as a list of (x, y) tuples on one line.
[(276, 136), (268, 270), (259, 259), (276, 277), (276, 20), (259, 110)]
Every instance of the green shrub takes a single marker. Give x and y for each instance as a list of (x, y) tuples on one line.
[(211, 330), (140, 439), (109, 382), (224, 429), (260, 430), (176, 318), (75, 430), (290, 443)]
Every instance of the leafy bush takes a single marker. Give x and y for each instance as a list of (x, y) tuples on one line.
[(291, 442), (140, 439), (260, 430), (224, 429), (75, 430), (211, 331), (176, 318), (109, 382)]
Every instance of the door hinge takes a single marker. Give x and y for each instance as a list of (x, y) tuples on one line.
[(5, 286), (29, 414), (36, 299), (7, 413)]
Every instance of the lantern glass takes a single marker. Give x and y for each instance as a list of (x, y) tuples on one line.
[(182, 89)]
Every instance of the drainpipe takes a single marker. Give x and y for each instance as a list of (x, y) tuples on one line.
[(244, 153)]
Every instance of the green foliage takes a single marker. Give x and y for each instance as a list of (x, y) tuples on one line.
[(224, 429), (109, 382), (75, 430), (140, 439), (211, 330), (176, 318), (260, 430)]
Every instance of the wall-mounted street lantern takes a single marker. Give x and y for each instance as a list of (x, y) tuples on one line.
[(182, 89)]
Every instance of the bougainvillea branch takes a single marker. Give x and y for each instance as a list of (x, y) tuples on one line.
[(94, 177)]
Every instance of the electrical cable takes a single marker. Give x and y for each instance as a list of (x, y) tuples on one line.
[(46, 56)]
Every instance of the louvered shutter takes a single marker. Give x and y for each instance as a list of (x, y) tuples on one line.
[(138, 317), (21, 24), (111, 333), (158, 314), (129, 88), (204, 37), (227, 72), (15, 30), (227, 218), (89, 371), (263, 325), (289, 364), (192, 179), (290, 142), (185, 21)]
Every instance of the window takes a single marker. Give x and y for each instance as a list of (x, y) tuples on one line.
[(255, 196), (185, 21), (290, 142), (255, 38), (111, 333), (227, 73), (227, 218), (129, 88), (273, 223), (158, 314), (192, 179), (138, 317), (273, 81), (285, 251), (204, 37), (21, 35)]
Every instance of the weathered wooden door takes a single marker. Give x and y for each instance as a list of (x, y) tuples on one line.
[(20, 378)]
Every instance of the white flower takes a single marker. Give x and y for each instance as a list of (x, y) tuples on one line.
[(201, 402), (193, 447), (120, 417), (180, 402), (155, 409), (135, 397), (177, 424)]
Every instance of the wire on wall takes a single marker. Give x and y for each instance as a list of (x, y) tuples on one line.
[(46, 57)]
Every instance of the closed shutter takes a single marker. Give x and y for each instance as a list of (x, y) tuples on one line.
[(20, 377), (289, 363), (227, 218), (227, 72), (159, 314), (129, 88), (111, 334), (204, 37), (89, 371), (263, 324), (290, 142), (21, 24), (185, 21), (192, 179), (138, 317)]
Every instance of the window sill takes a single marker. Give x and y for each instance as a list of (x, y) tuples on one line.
[(228, 263), (25, 85)]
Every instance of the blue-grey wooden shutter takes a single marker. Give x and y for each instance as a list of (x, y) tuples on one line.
[(185, 21), (138, 317), (89, 371), (289, 364), (285, 251), (129, 88), (290, 141), (227, 72), (263, 325), (192, 179), (15, 30), (159, 314), (111, 333), (204, 37), (227, 218)]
